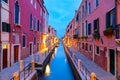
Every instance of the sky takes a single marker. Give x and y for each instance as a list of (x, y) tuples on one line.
[(61, 12)]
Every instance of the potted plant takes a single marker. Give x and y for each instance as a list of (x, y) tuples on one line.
[(96, 34), (108, 31)]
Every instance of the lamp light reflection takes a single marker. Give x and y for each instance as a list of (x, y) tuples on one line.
[(47, 70)]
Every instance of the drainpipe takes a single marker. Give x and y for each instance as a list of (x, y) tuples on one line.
[(116, 37), (0, 35)]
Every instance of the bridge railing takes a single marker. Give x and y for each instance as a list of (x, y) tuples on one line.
[(25, 70)]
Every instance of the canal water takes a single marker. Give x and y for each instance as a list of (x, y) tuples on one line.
[(58, 68)]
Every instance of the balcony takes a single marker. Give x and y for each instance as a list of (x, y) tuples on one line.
[(117, 34)]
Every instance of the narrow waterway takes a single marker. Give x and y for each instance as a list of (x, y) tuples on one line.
[(58, 68)]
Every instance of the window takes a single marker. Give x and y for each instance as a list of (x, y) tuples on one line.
[(34, 40), (89, 28), (6, 1), (38, 25), (77, 17), (5, 27), (31, 1), (82, 45), (110, 18), (82, 29), (86, 4), (90, 48), (35, 24), (97, 50), (23, 41), (35, 4), (16, 13), (41, 28), (96, 24), (86, 28), (31, 22), (86, 47), (40, 12), (82, 10), (97, 3), (89, 8)]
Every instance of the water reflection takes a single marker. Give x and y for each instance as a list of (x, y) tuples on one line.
[(58, 68), (55, 51), (47, 70)]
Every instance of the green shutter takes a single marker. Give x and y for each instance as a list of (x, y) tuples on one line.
[(107, 19), (114, 18)]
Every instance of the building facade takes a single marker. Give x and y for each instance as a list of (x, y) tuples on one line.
[(22, 24), (94, 33), (4, 34)]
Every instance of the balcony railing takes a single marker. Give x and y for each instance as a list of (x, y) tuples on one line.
[(118, 31)]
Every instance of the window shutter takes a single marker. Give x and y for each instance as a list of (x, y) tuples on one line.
[(5, 27), (107, 19), (95, 26), (8, 29), (98, 24), (114, 18)]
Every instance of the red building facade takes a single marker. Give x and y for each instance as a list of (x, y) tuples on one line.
[(27, 23), (94, 33)]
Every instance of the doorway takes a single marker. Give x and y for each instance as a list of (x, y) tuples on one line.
[(16, 52), (112, 61), (5, 58)]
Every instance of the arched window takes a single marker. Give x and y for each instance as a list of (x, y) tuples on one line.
[(16, 15)]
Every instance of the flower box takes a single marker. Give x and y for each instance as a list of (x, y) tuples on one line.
[(108, 32)]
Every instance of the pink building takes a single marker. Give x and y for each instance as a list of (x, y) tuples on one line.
[(28, 20), (95, 28), (118, 36)]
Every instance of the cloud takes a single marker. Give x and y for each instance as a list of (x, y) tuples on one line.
[(61, 13)]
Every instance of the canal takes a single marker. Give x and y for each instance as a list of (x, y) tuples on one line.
[(58, 68)]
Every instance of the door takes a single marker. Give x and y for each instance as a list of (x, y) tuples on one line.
[(4, 58), (112, 61), (16, 51), (30, 49)]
